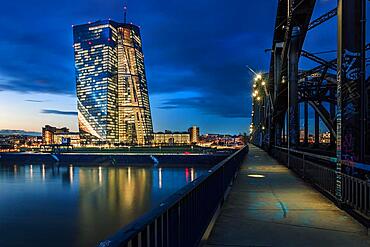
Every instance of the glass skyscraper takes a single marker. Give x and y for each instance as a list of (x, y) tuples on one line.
[(113, 101)]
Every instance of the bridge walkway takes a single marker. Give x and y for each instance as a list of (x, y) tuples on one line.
[(270, 206)]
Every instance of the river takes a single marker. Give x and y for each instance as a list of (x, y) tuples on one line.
[(79, 206)]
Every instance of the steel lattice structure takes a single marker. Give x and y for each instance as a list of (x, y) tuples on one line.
[(337, 90)]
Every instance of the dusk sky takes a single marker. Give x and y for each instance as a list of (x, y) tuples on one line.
[(196, 53)]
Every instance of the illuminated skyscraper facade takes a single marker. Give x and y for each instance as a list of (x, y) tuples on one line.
[(113, 101)]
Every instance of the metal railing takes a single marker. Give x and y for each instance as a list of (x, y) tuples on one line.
[(183, 218), (355, 193)]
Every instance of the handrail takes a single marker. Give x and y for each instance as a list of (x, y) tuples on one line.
[(358, 165), (156, 225), (323, 157)]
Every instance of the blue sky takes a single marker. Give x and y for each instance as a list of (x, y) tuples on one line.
[(195, 57)]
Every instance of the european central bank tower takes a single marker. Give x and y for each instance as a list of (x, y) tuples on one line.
[(113, 102)]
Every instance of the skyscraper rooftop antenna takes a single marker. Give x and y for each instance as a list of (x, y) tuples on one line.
[(125, 13)]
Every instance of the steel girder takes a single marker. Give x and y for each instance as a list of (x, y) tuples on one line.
[(317, 85), (325, 17), (297, 15)]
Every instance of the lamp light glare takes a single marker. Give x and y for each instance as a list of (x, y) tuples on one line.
[(256, 175)]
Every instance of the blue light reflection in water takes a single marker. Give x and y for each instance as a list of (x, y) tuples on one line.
[(79, 206)]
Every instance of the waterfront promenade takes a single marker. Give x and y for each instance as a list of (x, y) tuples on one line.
[(269, 206)]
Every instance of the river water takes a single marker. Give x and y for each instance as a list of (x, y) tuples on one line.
[(79, 206)]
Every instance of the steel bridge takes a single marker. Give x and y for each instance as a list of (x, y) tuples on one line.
[(336, 90)]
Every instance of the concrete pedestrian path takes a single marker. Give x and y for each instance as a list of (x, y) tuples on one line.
[(269, 206)]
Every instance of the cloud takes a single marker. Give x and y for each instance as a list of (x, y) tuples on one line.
[(34, 101), (166, 107), (222, 106), (58, 112)]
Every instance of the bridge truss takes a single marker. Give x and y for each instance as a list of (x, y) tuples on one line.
[(337, 90)]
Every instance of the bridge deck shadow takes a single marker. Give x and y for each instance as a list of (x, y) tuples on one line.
[(269, 206)]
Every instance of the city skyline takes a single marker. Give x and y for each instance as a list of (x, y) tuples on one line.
[(184, 77)]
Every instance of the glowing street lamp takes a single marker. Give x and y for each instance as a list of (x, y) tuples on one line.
[(283, 80)]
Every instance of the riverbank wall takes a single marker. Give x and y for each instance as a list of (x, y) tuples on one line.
[(144, 160)]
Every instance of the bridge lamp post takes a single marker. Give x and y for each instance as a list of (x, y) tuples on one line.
[(269, 102)]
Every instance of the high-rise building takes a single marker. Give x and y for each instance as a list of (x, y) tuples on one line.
[(113, 101)]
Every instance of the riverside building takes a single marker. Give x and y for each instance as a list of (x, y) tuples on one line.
[(53, 135), (169, 138), (194, 134), (48, 133), (113, 101)]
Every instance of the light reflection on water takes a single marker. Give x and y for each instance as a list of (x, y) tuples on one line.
[(78, 206)]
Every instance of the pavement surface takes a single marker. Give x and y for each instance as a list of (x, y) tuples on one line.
[(270, 206)]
